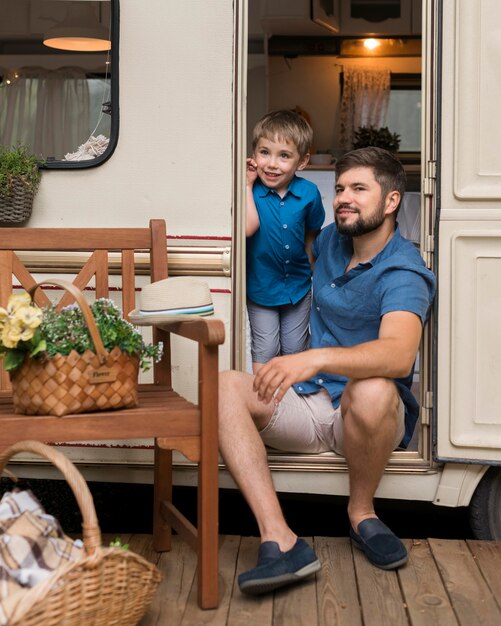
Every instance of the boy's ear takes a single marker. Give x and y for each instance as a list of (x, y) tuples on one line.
[(304, 161)]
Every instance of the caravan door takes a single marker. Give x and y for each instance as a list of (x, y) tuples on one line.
[(468, 402)]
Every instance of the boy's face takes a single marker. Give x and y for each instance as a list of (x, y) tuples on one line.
[(277, 162)]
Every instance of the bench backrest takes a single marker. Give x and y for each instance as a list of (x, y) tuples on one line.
[(104, 250)]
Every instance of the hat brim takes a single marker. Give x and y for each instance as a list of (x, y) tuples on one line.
[(139, 319)]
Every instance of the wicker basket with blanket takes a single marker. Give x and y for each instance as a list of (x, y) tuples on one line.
[(102, 586)]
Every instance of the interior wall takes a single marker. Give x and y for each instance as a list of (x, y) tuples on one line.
[(313, 84)]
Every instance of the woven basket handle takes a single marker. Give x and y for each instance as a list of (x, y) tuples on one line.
[(90, 527), (84, 307)]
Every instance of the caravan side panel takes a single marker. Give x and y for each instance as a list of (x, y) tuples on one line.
[(469, 333)]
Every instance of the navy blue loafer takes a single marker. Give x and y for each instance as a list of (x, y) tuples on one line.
[(276, 569), (380, 545)]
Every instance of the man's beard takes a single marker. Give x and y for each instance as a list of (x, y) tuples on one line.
[(363, 225)]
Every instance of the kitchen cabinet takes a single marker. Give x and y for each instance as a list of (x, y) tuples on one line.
[(299, 17), (380, 17)]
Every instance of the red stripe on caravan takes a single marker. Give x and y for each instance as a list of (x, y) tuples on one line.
[(54, 288), (206, 237)]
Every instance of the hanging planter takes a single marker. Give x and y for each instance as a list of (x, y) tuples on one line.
[(19, 181)]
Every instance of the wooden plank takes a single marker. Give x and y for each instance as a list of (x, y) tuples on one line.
[(470, 596), (178, 571), (143, 545), (379, 592), (337, 597), (423, 590), (488, 557), (246, 610), (296, 605), (228, 551)]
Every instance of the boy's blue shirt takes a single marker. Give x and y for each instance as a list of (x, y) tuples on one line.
[(347, 307), (278, 270)]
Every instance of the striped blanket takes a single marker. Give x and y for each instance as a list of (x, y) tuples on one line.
[(32, 545)]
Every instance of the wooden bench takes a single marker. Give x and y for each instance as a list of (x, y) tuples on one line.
[(162, 414)]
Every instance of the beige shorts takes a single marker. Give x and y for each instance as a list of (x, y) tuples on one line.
[(309, 423)]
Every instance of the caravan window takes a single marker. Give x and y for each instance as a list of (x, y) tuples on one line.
[(58, 79), (404, 110)]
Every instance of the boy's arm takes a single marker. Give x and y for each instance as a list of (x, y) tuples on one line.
[(310, 237), (391, 355), (251, 215)]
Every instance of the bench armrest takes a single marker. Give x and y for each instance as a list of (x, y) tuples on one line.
[(209, 332)]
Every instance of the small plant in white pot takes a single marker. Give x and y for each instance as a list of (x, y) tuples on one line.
[(366, 136)]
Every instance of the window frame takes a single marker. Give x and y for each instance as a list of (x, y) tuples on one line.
[(114, 94)]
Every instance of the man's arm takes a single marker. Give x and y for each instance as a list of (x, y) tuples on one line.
[(391, 355)]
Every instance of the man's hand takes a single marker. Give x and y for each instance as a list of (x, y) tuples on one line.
[(277, 376)]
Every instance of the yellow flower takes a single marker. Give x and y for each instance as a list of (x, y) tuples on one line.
[(16, 301), (11, 335), (29, 316)]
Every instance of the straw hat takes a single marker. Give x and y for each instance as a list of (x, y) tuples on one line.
[(172, 299)]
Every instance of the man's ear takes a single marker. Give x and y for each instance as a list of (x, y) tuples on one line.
[(304, 161), (392, 201)]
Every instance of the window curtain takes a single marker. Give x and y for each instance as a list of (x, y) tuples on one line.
[(366, 95), (48, 110)]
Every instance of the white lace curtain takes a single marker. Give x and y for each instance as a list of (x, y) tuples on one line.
[(47, 110), (366, 94)]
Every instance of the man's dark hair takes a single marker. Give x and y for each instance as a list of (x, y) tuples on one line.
[(387, 169)]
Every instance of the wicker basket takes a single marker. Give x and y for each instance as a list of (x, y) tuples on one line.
[(76, 383), (108, 587), (17, 206)]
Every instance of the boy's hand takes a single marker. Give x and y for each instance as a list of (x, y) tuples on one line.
[(251, 171)]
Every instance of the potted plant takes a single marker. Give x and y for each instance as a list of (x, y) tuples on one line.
[(28, 331), (19, 181), (79, 359), (366, 136)]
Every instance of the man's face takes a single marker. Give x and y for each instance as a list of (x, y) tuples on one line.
[(277, 162), (359, 207)]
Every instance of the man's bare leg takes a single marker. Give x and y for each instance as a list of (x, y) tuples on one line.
[(370, 411), (241, 416)]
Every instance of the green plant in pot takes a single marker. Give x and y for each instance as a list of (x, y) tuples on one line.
[(19, 181), (366, 136)]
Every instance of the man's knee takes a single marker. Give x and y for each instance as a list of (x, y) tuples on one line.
[(370, 400), (232, 384)]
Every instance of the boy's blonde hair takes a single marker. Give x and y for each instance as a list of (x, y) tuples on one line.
[(284, 125)]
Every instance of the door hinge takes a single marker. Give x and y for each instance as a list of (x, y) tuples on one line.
[(428, 250), (429, 243), (427, 408), (430, 178)]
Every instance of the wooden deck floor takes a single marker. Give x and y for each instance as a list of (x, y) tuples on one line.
[(445, 582)]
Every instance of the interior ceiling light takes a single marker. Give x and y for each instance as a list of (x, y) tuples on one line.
[(80, 31), (370, 44)]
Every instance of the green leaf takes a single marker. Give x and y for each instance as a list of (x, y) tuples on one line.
[(40, 347), (13, 359)]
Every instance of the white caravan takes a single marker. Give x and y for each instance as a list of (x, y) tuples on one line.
[(180, 87)]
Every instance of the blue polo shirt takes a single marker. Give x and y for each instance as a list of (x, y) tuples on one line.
[(347, 307), (278, 270)]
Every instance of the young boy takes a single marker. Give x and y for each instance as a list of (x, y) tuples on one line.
[(284, 215)]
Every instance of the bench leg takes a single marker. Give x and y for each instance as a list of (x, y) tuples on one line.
[(208, 529), (162, 491)]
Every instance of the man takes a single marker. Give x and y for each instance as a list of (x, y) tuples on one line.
[(351, 391)]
